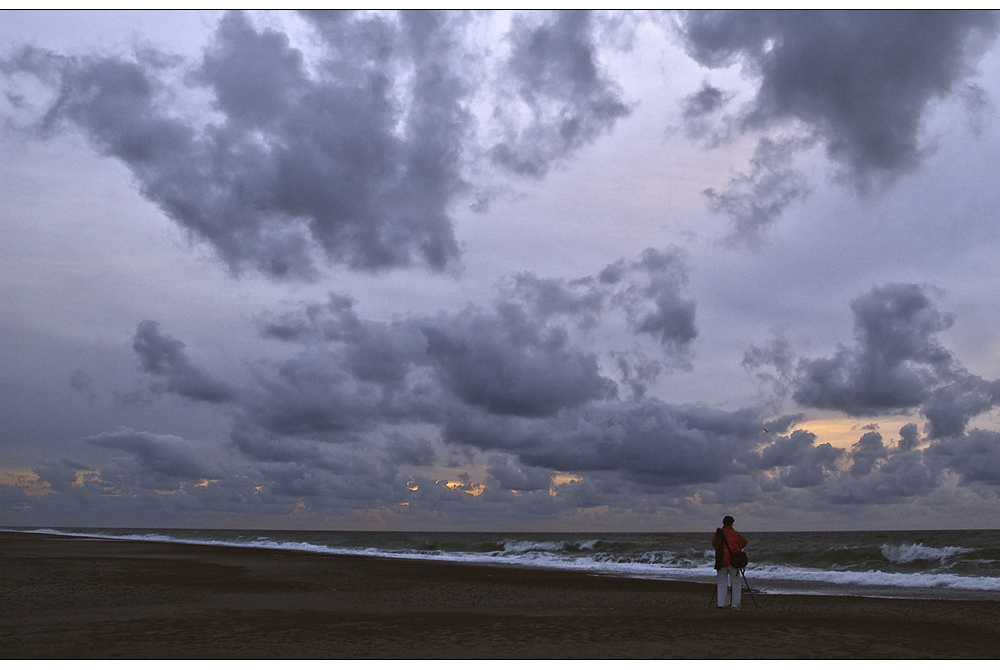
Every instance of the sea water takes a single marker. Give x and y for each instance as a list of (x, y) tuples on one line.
[(944, 564)]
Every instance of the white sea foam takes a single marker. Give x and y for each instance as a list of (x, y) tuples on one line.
[(910, 553), (528, 546), (877, 578)]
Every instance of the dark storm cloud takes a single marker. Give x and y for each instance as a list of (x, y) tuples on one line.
[(637, 371), (268, 447), (975, 457), (909, 437), (562, 98), (649, 290), (507, 364), (648, 442), (352, 151), (160, 454), (868, 472), (511, 475), (296, 158), (406, 450), (861, 80), (895, 476), (949, 408), (520, 356), (315, 396), (163, 356), (786, 450), (897, 364), (511, 380), (866, 452), (800, 462)]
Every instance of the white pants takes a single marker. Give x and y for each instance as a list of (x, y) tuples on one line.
[(729, 576)]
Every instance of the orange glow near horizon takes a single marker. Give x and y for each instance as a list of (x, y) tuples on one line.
[(25, 480), (560, 478), (474, 490), (845, 432)]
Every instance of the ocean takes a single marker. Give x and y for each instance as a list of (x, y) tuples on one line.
[(941, 564)]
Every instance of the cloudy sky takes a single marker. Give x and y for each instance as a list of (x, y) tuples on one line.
[(543, 271)]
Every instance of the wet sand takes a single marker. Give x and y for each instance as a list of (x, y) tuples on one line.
[(80, 598)]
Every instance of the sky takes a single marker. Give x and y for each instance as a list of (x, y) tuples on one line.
[(543, 271)]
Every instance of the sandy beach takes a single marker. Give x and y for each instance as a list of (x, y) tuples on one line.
[(66, 597)]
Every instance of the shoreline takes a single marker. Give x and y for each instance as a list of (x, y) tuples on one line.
[(761, 584), (72, 597)]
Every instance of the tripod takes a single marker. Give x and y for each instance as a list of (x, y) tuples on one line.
[(743, 574)]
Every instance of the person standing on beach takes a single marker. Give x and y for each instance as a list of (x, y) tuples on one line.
[(727, 540)]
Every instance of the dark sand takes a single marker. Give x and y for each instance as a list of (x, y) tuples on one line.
[(80, 598)]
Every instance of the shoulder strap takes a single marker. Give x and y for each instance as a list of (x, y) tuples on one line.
[(722, 531)]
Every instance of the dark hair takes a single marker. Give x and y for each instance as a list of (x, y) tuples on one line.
[(728, 521)]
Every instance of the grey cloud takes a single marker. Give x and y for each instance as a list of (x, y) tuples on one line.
[(510, 475), (637, 371), (950, 408), (671, 318), (161, 454), (754, 200), (506, 364), (787, 450), (706, 101), (294, 485), (909, 437), (898, 475), (895, 357), (61, 476), (333, 321), (268, 447), (801, 463), (897, 364), (550, 296), (563, 100), (862, 80), (407, 450), (163, 356), (784, 423), (776, 355), (351, 153), (648, 442), (518, 357), (817, 463), (313, 395), (698, 112), (298, 160), (648, 290), (866, 452), (974, 457)]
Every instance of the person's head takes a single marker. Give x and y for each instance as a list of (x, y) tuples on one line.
[(728, 521)]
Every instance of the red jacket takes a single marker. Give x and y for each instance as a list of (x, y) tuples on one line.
[(735, 541)]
